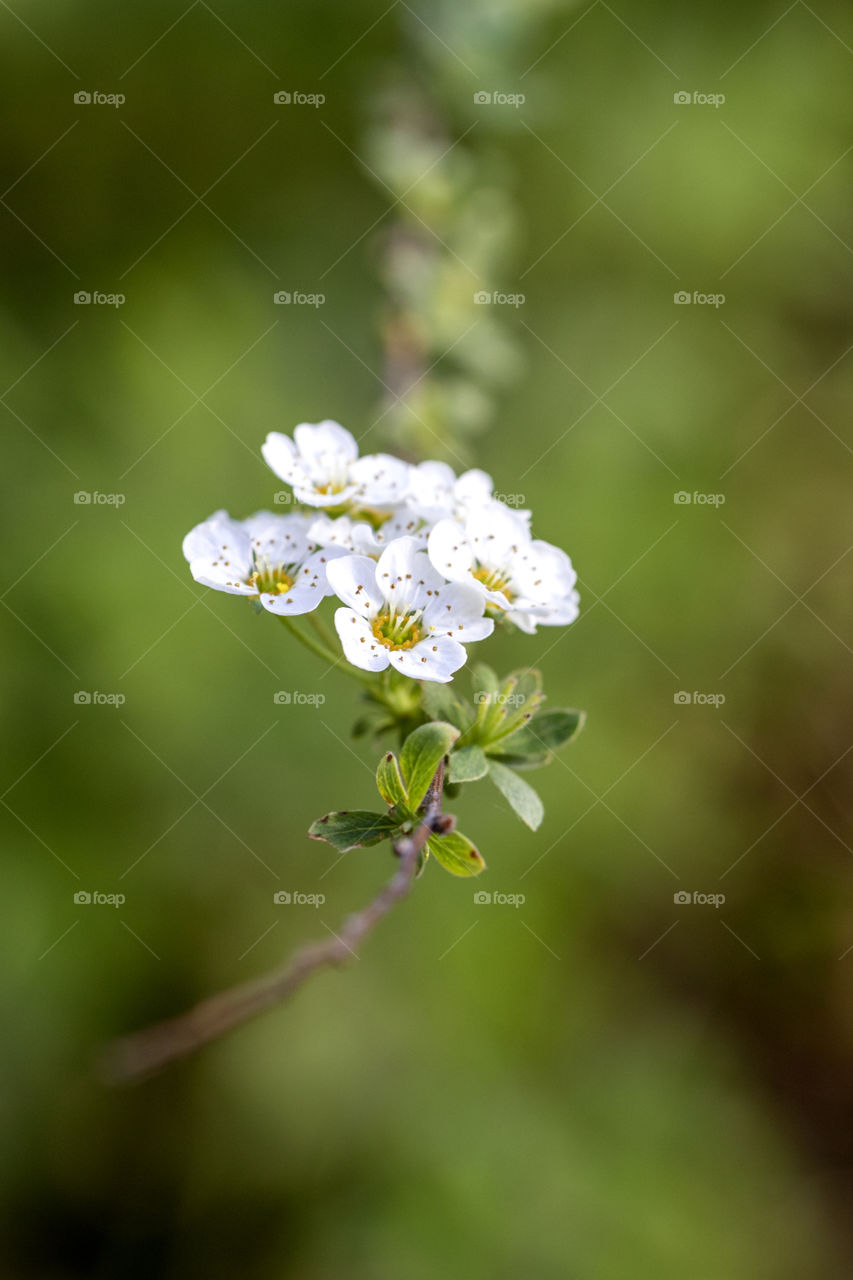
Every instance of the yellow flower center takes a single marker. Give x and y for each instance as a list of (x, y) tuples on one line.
[(269, 581), (494, 580), (398, 631)]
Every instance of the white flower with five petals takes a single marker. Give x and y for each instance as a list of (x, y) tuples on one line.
[(321, 462), (529, 580), (267, 557), (401, 612)]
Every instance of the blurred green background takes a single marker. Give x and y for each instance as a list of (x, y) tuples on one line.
[(600, 1083)]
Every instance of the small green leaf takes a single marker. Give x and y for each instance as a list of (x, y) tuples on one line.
[(389, 781), (541, 736), (468, 764), (422, 752), (352, 828), (528, 682), (456, 854), (484, 681), (519, 793), (441, 703)]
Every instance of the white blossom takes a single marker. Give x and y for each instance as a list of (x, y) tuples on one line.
[(401, 611), (531, 581), (321, 462), (363, 538), (267, 557)]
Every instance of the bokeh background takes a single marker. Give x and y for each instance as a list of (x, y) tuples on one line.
[(602, 1082)]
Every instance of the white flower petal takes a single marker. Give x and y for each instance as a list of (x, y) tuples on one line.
[(433, 659), (324, 493), (381, 478), (322, 443), (207, 539), (473, 489), (222, 577), (450, 552), (458, 611), (281, 456), (405, 576), (353, 580), (278, 540), (359, 643)]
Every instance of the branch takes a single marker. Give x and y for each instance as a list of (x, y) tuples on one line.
[(132, 1058)]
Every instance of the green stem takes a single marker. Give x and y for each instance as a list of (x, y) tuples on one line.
[(322, 631), (321, 651)]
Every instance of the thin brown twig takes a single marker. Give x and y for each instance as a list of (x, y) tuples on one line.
[(132, 1058)]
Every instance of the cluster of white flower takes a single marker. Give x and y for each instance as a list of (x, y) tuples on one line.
[(423, 561)]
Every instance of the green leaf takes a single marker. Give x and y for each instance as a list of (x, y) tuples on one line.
[(441, 703), (422, 752), (528, 681), (352, 828), (484, 681), (541, 736), (389, 781), (519, 793), (456, 854), (468, 764)]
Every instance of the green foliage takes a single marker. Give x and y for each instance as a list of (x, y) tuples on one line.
[(352, 828), (421, 755), (389, 780), (457, 854), (519, 793)]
